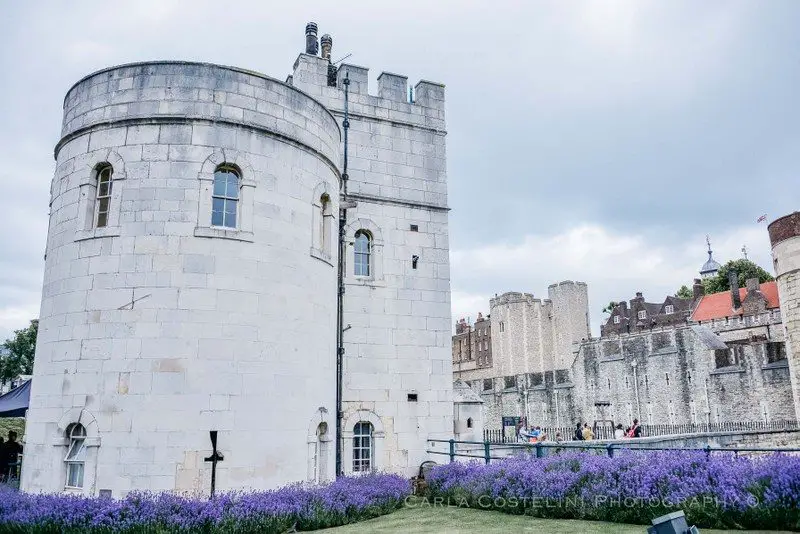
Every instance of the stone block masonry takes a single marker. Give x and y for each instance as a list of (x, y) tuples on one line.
[(174, 304), (784, 234), (398, 343)]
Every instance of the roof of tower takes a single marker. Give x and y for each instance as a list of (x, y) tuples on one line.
[(710, 266)]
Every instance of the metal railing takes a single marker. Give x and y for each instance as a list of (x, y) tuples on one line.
[(542, 449), (607, 431)]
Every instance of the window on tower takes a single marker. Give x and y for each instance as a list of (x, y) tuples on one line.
[(103, 199), (362, 253), (225, 198)]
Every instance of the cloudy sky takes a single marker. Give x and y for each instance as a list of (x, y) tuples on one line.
[(588, 140)]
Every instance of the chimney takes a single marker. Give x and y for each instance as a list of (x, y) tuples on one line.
[(752, 285), (311, 38), (697, 289), (733, 280), (326, 42)]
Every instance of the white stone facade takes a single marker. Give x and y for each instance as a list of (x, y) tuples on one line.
[(159, 326), (785, 237), (397, 363)]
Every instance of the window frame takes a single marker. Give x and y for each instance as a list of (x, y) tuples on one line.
[(365, 256), (616, 319), (244, 206), (226, 198), (641, 315), (358, 445), (669, 309), (104, 176), (76, 438)]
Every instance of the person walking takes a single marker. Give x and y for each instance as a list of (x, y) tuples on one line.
[(10, 452), (578, 435)]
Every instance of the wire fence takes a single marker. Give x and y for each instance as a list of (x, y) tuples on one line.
[(606, 431)]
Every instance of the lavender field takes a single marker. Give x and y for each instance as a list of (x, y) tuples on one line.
[(715, 491), (304, 508)]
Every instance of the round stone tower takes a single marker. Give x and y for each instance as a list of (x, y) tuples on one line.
[(784, 234), (189, 287)]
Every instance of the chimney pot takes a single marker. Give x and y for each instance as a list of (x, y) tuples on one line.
[(326, 43), (752, 284), (733, 280), (638, 294), (697, 289), (312, 45)]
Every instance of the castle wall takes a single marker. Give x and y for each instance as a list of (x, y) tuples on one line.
[(399, 341), (158, 327), (784, 234)]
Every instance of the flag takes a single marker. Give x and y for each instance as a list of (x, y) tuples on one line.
[(762, 218)]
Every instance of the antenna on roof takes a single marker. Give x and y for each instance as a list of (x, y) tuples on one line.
[(341, 59)]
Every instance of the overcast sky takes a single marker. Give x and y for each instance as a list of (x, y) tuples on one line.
[(596, 141)]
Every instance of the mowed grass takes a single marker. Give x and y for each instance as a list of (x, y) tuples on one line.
[(450, 520)]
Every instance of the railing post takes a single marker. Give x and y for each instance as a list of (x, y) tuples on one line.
[(708, 451), (610, 450), (452, 450), (539, 451), (487, 451)]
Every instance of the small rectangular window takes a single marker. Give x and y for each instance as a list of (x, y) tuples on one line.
[(412, 397), (510, 382), (616, 319), (666, 375), (642, 314), (776, 351), (415, 228), (487, 384), (669, 309)]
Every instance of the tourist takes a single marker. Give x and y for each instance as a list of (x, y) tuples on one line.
[(636, 430), (559, 438), (578, 435), (588, 435), (10, 452), (618, 432)]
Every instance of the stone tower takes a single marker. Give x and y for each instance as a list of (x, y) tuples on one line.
[(570, 322), (179, 289), (784, 234), (191, 280)]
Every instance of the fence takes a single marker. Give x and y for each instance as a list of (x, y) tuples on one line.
[(607, 431), (542, 449)]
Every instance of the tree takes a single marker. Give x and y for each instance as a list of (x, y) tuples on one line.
[(18, 359), (684, 292), (610, 307), (744, 269)]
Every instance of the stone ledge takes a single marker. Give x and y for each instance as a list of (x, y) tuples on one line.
[(321, 256), (782, 364), (608, 360), (236, 235), (727, 370), (94, 233)]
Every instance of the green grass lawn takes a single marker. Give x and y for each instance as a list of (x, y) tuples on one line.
[(461, 520)]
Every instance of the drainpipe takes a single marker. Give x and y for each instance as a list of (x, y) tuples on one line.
[(343, 205)]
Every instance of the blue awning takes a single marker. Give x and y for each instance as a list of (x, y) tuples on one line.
[(15, 402)]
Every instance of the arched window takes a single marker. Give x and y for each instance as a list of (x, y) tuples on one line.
[(76, 455), (361, 259), (363, 447), (103, 197), (225, 198), (469, 422), (325, 219)]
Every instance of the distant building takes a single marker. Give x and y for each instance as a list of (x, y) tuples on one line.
[(722, 358), (643, 315), (523, 334), (472, 345)]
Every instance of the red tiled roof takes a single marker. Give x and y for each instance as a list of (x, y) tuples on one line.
[(718, 305)]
